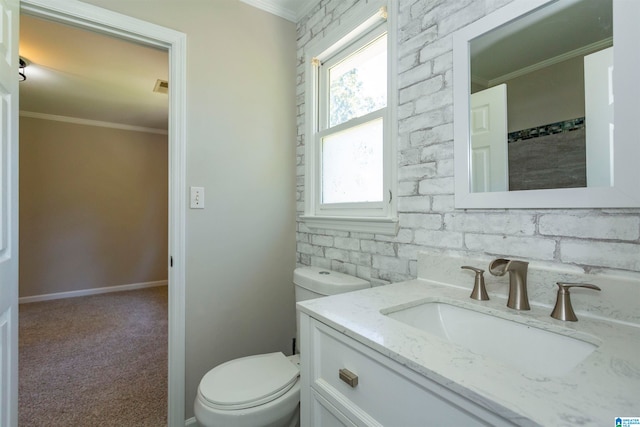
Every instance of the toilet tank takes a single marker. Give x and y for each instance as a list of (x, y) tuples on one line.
[(315, 282)]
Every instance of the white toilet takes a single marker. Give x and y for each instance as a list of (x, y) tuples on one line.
[(264, 390)]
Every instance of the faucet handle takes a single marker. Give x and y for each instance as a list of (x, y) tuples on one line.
[(563, 309), (479, 290)]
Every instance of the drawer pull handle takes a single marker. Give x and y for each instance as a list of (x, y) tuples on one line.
[(348, 377)]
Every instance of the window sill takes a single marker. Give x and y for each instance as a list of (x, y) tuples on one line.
[(385, 226)]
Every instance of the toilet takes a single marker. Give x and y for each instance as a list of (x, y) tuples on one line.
[(264, 390)]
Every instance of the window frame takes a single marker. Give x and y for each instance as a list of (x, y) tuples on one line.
[(363, 25), (324, 85)]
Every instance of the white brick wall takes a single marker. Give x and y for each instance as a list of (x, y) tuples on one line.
[(598, 238)]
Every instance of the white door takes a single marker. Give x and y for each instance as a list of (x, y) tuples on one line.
[(598, 106), (9, 10), (489, 155)]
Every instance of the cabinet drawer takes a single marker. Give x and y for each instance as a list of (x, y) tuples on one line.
[(386, 393), (325, 414)]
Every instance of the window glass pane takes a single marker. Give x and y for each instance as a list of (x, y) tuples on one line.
[(352, 164), (358, 84)]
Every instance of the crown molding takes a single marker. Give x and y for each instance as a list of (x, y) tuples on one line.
[(88, 122), (581, 51), (278, 8)]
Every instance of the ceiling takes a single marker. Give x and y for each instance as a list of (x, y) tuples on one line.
[(86, 75), (80, 74), (554, 33)]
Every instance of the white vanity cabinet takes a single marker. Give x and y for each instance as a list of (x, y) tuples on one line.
[(386, 394)]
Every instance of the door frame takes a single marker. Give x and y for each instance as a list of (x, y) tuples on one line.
[(97, 19)]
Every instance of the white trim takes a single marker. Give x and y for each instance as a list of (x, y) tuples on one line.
[(83, 15), (278, 9), (94, 291), (274, 8), (386, 226), (351, 29), (88, 122), (372, 36), (177, 228), (372, 217), (392, 105)]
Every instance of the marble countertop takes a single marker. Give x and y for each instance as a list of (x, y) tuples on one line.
[(602, 387)]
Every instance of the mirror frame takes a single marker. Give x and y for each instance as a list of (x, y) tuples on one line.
[(625, 191)]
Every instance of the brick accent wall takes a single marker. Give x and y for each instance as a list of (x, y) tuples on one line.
[(587, 238)]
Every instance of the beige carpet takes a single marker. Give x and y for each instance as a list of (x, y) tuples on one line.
[(99, 360)]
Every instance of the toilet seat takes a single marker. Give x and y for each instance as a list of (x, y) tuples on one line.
[(249, 381)]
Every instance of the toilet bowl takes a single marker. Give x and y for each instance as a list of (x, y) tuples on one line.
[(264, 390)]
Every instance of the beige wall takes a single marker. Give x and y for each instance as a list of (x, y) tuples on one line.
[(241, 139), (545, 96), (548, 95), (93, 207)]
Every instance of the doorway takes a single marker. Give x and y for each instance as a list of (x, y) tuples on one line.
[(93, 18)]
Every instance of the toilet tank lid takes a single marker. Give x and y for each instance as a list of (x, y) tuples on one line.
[(327, 282)]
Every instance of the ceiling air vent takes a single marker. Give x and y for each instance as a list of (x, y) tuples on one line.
[(162, 86)]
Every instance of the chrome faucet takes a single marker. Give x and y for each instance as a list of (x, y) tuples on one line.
[(518, 299)]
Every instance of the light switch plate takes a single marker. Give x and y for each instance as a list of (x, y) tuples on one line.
[(197, 198)]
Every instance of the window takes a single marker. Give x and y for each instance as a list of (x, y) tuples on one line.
[(350, 156)]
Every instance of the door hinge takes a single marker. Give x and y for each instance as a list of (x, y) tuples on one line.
[(170, 261), (390, 196)]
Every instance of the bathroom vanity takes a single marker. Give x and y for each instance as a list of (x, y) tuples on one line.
[(383, 392), (421, 352), (383, 356)]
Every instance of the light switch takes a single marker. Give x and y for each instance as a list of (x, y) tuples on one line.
[(197, 197)]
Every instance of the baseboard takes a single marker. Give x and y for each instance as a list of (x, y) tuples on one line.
[(191, 422), (95, 291)]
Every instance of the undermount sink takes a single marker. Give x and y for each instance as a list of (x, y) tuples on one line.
[(525, 347)]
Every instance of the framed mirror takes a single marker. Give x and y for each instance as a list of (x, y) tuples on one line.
[(535, 122)]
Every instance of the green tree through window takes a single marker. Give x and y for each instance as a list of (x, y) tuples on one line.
[(347, 100)]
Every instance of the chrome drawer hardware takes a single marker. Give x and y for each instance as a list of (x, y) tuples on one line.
[(348, 377)]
